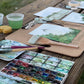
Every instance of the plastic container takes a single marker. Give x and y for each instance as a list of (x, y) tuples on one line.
[(74, 4), (15, 20), (1, 18)]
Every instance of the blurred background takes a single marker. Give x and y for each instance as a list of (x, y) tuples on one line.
[(8, 6)]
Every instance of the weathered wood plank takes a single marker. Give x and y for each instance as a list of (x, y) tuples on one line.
[(3, 63), (66, 23)]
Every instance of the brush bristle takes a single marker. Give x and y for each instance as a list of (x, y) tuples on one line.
[(33, 39)]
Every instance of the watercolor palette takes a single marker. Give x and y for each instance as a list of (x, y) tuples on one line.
[(8, 56), (34, 74), (6, 80), (37, 68), (47, 61)]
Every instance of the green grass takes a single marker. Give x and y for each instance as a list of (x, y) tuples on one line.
[(81, 81), (9, 6)]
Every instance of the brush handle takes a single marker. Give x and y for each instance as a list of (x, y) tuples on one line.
[(20, 49), (23, 49), (45, 41), (63, 44), (15, 47)]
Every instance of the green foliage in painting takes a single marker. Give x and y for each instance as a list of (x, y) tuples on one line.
[(67, 38), (82, 16), (79, 0)]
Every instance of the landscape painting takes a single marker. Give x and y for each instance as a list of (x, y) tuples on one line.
[(52, 13), (56, 33)]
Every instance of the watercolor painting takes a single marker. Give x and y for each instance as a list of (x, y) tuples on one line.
[(52, 13), (75, 17), (56, 33), (8, 56)]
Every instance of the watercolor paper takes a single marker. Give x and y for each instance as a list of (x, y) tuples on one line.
[(52, 13), (75, 17), (56, 32), (47, 11)]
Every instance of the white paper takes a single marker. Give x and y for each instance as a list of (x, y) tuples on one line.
[(46, 29), (48, 11), (81, 5), (74, 17)]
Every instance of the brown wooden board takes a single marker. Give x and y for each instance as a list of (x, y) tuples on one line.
[(22, 36), (65, 23)]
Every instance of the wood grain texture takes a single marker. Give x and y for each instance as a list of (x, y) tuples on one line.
[(36, 6)]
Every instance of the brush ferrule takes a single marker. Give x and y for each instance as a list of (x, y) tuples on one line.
[(5, 50), (3, 46)]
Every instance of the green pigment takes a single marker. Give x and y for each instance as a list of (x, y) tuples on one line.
[(15, 24)]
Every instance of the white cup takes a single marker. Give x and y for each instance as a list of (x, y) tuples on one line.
[(74, 4), (15, 20), (1, 18)]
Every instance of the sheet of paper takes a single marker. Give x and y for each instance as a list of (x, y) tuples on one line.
[(75, 17), (48, 11), (81, 5), (46, 29), (52, 13)]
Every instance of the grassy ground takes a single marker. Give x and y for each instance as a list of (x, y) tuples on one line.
[(8, 6), (81, 81)]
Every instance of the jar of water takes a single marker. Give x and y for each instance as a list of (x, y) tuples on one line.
[(74, 4), (15, 20)]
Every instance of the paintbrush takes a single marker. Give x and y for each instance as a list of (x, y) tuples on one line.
[(44, 41), (14, 47), (20, 49)]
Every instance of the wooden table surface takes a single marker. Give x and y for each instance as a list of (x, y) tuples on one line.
[(36, 6)]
